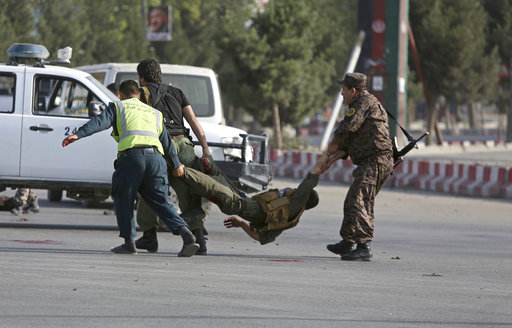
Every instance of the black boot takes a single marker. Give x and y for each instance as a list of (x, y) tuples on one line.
[(363, 252), (343, 247), (127, 248), (201, 240), (189, 242), (148, 241)]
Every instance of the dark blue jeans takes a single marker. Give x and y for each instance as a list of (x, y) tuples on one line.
[(145, 173)]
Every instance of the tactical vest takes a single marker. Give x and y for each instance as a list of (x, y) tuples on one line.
[(173, 115), (137, 124), (275, 204)]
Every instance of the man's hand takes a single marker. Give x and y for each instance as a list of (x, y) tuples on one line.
[(232, 222), (206, 164), (69, 139), (179, 172), (325, 165), (318, 166)]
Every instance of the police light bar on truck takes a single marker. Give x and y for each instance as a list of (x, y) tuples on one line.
[(37, 52)]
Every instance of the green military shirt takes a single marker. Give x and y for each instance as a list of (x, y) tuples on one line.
[(253, 212)]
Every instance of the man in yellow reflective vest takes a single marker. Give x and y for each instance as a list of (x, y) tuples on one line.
[(141, 167)]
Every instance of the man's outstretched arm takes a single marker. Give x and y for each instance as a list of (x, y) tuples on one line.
[(234, 222)]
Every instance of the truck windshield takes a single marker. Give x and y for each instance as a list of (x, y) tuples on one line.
[(197, 89)]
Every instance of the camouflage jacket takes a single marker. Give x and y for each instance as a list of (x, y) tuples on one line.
[(364, 131)]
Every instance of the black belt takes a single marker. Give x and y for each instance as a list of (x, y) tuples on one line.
[(139, 151)]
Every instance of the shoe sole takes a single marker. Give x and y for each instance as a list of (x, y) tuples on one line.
[(188, 250), (337, 252), (150, 250), (121, 250)]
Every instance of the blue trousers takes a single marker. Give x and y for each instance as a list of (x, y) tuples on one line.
[(145, 173)]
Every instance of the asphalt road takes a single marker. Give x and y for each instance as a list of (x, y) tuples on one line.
[(439, 261)]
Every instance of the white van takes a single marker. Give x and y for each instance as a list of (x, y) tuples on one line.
[(198, 83)]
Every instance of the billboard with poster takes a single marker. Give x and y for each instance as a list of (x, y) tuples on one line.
[(159, 23)]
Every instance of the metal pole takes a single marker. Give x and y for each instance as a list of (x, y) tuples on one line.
[(354, 57), (509, 121)]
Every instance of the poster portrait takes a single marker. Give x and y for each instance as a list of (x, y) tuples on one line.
[(159, 23)]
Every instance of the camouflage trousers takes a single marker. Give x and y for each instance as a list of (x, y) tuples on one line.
[(25, 196), (358, 210)]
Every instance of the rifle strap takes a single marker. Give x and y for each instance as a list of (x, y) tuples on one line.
[(401, 128)]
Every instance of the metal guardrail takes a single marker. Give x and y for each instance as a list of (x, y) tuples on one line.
[(246, 139)]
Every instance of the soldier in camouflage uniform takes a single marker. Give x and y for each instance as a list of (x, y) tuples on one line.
[(269, 213), (364, 135)]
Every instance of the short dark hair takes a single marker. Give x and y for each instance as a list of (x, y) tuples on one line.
[(129, 88), (149, 69), (312, 200), (113, 87)]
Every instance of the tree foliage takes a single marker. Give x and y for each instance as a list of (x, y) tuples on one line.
[(500, 26), (18, 27), (451, 41), (281, 58)]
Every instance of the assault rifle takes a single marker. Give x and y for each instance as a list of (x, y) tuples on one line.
[(399, 154), (413, 143)]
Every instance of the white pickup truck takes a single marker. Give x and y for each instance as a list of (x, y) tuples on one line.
[(42, 103)]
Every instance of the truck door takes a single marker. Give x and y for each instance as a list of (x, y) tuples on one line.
[(11, 105), (58, 107)]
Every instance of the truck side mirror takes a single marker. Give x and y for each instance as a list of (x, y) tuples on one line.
[(95, 108)]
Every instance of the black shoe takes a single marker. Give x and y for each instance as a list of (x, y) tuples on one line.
[(363, 252), (148, 241), (343, 247), (188, 250), (189, 242), (201, 240), (124, 249)]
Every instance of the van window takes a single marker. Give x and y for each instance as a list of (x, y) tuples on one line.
[(197, 89), (100, 76), (56, 96), (7, 90)]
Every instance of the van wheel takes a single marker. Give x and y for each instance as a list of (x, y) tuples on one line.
[(54, 195)]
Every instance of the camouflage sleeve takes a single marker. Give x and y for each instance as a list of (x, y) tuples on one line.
[(356, 115)]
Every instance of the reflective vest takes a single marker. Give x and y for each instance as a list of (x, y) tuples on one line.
[(275, 204), (137, 124)]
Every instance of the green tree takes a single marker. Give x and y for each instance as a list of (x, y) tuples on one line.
[(451, 41), (61, 23), (194, 24), (500, 26), (279, 63), (18, 27), (117, 33)]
